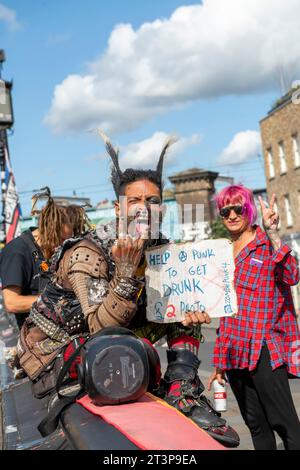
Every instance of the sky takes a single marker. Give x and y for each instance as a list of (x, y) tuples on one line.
[(207, 72)]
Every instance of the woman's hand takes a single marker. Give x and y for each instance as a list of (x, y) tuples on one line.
[(196, 318), (269, 217), (218, 375), (270, 222)]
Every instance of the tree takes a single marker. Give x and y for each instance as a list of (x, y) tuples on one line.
[(217, 230)]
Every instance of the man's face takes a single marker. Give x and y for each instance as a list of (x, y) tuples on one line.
[(141, 207)]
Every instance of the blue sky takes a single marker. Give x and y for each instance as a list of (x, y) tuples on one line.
[(208, 94)]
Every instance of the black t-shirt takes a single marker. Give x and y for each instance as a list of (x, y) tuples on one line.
[(19, 266)]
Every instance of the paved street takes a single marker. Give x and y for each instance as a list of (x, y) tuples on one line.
[(232, 415)]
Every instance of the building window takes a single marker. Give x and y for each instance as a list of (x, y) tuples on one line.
[(271, 163), (282, 160), (296, 150), (288, 211)]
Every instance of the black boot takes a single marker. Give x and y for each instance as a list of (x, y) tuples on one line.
[(182, 368)]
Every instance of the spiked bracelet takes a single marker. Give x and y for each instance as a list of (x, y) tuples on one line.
[(127, 288)]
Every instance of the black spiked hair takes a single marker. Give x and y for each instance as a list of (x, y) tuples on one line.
[(121, 178)]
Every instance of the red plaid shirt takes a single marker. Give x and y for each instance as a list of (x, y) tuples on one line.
[(266, 310)]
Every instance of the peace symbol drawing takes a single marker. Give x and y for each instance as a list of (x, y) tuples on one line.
[(182, 256)]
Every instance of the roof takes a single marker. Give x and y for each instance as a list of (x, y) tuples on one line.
[(193, 173), (282, 102), (259, 191)]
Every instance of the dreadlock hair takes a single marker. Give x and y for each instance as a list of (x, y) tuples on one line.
[(121, 178), (51, 220), (79, 219)]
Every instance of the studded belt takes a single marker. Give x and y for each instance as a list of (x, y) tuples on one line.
[(48, 327)]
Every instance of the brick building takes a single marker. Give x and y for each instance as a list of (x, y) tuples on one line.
[(193, 189), (280, 131)]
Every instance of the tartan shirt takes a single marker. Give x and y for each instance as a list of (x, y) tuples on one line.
[(263, 280)]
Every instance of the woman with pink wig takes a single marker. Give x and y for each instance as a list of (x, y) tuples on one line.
[(259, 347)]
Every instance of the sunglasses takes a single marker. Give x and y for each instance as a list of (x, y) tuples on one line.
[(225, 211)]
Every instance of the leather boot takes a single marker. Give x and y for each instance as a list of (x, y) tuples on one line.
[(188, 398)]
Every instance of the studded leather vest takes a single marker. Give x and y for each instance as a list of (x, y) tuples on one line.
[(57, 311)]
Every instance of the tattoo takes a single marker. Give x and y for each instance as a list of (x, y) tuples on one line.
[(274, 239), (126, 269)]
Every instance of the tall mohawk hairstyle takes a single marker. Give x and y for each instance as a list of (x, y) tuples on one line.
[(121, 178)]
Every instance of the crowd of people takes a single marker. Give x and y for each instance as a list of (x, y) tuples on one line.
[(65, 281)]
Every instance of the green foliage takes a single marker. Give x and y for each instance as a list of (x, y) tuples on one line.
[(284, 98), (218, 230)]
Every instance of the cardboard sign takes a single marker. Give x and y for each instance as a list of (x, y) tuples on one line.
[(195, 276)]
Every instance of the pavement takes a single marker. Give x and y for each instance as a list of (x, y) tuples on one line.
[(232, 415), (20, 412)]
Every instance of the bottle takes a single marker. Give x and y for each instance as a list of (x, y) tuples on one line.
[(220, 396)]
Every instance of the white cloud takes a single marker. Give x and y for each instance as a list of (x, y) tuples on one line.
[(244, 146), (9, 17), (145, 154), (217, 48)]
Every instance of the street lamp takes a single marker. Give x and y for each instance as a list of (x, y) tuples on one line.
[(6, 110)]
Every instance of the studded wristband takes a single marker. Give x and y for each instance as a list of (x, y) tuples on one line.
[(127, 288)]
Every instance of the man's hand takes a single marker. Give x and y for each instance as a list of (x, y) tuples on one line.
[(218, 375), (269, 216), (127, 254), (196, 318), (127, 251)]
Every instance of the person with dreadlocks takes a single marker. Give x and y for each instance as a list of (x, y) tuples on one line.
[(78, 219), (24, 261), (98, 282), (26, 276)]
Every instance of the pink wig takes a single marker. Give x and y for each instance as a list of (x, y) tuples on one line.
[(238, 194)]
